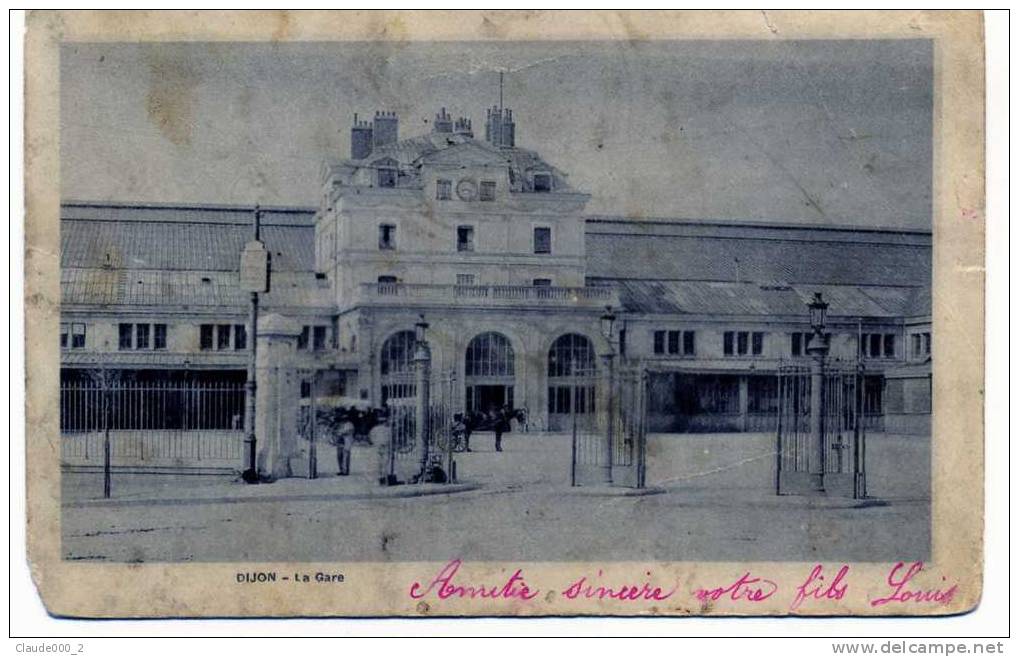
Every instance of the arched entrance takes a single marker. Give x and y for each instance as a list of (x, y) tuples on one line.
[(489, 372), (397, 366), (572, 371)]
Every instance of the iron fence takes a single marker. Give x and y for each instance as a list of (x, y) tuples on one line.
[(154, 423)]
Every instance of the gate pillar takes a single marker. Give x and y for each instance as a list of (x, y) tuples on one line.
[(422, 383), (277, 396)]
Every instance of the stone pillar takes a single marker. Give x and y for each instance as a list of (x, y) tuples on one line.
[(277, 397), (366, 359), (610, 416), (422, 381), (815, 451)]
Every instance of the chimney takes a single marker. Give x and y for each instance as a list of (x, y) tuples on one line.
[(493, 126), (384, 129), (499, 127), (443, 122), (463, 127), (360, 139), (509, 129)]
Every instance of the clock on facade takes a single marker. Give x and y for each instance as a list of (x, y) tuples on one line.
[(466, 190)]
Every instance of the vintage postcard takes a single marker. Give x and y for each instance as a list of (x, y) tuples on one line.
[(505, 313)]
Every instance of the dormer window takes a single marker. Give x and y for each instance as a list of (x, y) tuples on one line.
[(487, 190), (387, 237), (387, 177), (542, 182)]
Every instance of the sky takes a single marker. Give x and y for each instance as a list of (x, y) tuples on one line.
[(829, 132)]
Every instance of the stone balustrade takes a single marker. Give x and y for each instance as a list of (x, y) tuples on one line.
[(397, 294)]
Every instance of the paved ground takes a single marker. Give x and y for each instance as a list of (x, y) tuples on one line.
[(718, 503)]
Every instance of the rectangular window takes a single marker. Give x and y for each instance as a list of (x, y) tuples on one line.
[(465, 280), (542, 239), (659, 342), (487, 190), (926, 340), (889, 345), (542, 282), (796, 344), (875, 345), (465, 238), (319, 338), (159, 336), (443, 190), (302, 339), (125, 336), (141, 336), (205, 336), (542, 182), (77, 336), (674, 342), (917, 340), (742, 343), (387, 177), (240, 336), (223, 336), (387, 237), (757, 343), (688, 343), (63, 336), (622, 342), (742, 338)]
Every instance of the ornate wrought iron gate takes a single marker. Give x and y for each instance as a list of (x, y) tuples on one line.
[(621, 419), (407, 459), (827, 457)]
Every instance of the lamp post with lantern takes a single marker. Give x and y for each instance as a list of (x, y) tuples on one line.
[(254, 279), (608, 327), (818, 351)]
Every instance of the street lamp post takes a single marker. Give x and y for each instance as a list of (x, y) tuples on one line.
[(422, 365), (254, 279), (818, 350), (608, 321)]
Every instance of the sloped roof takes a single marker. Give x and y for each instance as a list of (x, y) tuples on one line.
[(195, 289), (629, 249), (726, 298), (919, 304), (456, 149), (181, 237)]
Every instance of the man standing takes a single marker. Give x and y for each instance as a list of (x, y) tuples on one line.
[(502, 423)]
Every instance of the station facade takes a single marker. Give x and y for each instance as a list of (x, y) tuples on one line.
[(493, 247)]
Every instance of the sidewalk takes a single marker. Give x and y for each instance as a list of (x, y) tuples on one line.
[(327, 487)]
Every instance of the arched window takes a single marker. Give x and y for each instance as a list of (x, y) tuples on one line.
[(398, 353), (397, 367), (571, 355), (489, 354), (571, 383), (489, 369)]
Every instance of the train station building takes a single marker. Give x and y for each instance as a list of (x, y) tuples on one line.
[(493, 246)]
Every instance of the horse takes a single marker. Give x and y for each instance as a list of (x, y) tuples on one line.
[(497, 420)]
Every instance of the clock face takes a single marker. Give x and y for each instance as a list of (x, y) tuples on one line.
[(466, 189)]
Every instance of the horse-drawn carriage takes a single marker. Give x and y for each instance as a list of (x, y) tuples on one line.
[(469, 422), (345, 421)]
